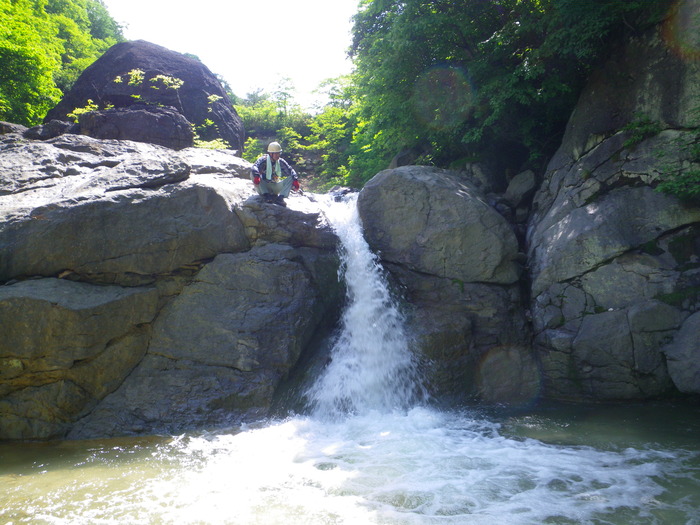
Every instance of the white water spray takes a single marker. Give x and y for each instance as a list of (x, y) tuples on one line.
[(372, 367)]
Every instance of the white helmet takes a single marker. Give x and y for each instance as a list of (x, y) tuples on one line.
[(274, 147)]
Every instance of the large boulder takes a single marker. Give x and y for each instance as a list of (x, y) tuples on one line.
[(222, 346), (140, 72), (147, 290), (614, 263), (111, 211), (456, 261), (65, 346), (430, 221)]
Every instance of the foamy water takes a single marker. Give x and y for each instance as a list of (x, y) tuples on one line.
[(372, 366), (419, 467)]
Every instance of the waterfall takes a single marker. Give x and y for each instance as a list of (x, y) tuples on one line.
[(371, 367)]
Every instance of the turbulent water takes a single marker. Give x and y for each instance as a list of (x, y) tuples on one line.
[(370, 450), (372, 367)]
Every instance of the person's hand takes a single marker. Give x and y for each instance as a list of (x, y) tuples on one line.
[(295, 185), (256, 179)]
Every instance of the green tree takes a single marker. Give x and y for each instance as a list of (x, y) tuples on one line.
[(477, 78), (73, 21), (44, 46), (264, 114), (330, 139), (29, 57)]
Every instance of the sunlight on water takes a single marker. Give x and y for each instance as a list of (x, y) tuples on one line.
[(369, 453), (371, 366), (419, 467)]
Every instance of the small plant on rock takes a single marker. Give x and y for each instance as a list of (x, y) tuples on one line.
[(641, 128)]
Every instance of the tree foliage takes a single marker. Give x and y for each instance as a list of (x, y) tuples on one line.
[(263, 114), (44, 46), (478, 78)]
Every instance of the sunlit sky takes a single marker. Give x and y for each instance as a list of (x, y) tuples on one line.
[(253, 44)]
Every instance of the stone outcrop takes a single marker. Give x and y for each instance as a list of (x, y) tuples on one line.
[(615, 264), (456, 261), (9, 127), (132, 73), (220, 348), (430, 221), (145, 290), (645, 76), (141, 123)]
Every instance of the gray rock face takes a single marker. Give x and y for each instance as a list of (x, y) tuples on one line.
[(154, 125), (146, 290), (66, 345), (430, 221), (613, 280), (645, 76), (615, 264), (454, 257), (109, 211), (682, 355), (222, 346)]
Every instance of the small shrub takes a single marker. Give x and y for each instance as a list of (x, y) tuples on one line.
[(684, 185), (641, 128)]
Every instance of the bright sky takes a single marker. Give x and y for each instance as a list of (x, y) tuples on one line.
[(250, 43)]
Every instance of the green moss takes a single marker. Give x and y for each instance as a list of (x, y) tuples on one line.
[(679, 297), (683, 247), (652, 248)]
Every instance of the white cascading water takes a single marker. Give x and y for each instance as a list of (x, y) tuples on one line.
[(370, 452), (372, 366)]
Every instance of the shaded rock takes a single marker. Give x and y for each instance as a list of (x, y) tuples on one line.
[(9, 127), (510, 375), (51, 129), (200, 98), (614, 263), (453, 258), (604, 240), (455, 325), (645, 76), (154, 125), (683, 355), (221, 348), (65, 346), (521, 188), (616, 223)]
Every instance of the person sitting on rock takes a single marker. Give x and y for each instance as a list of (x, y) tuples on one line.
[(273, 177)]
